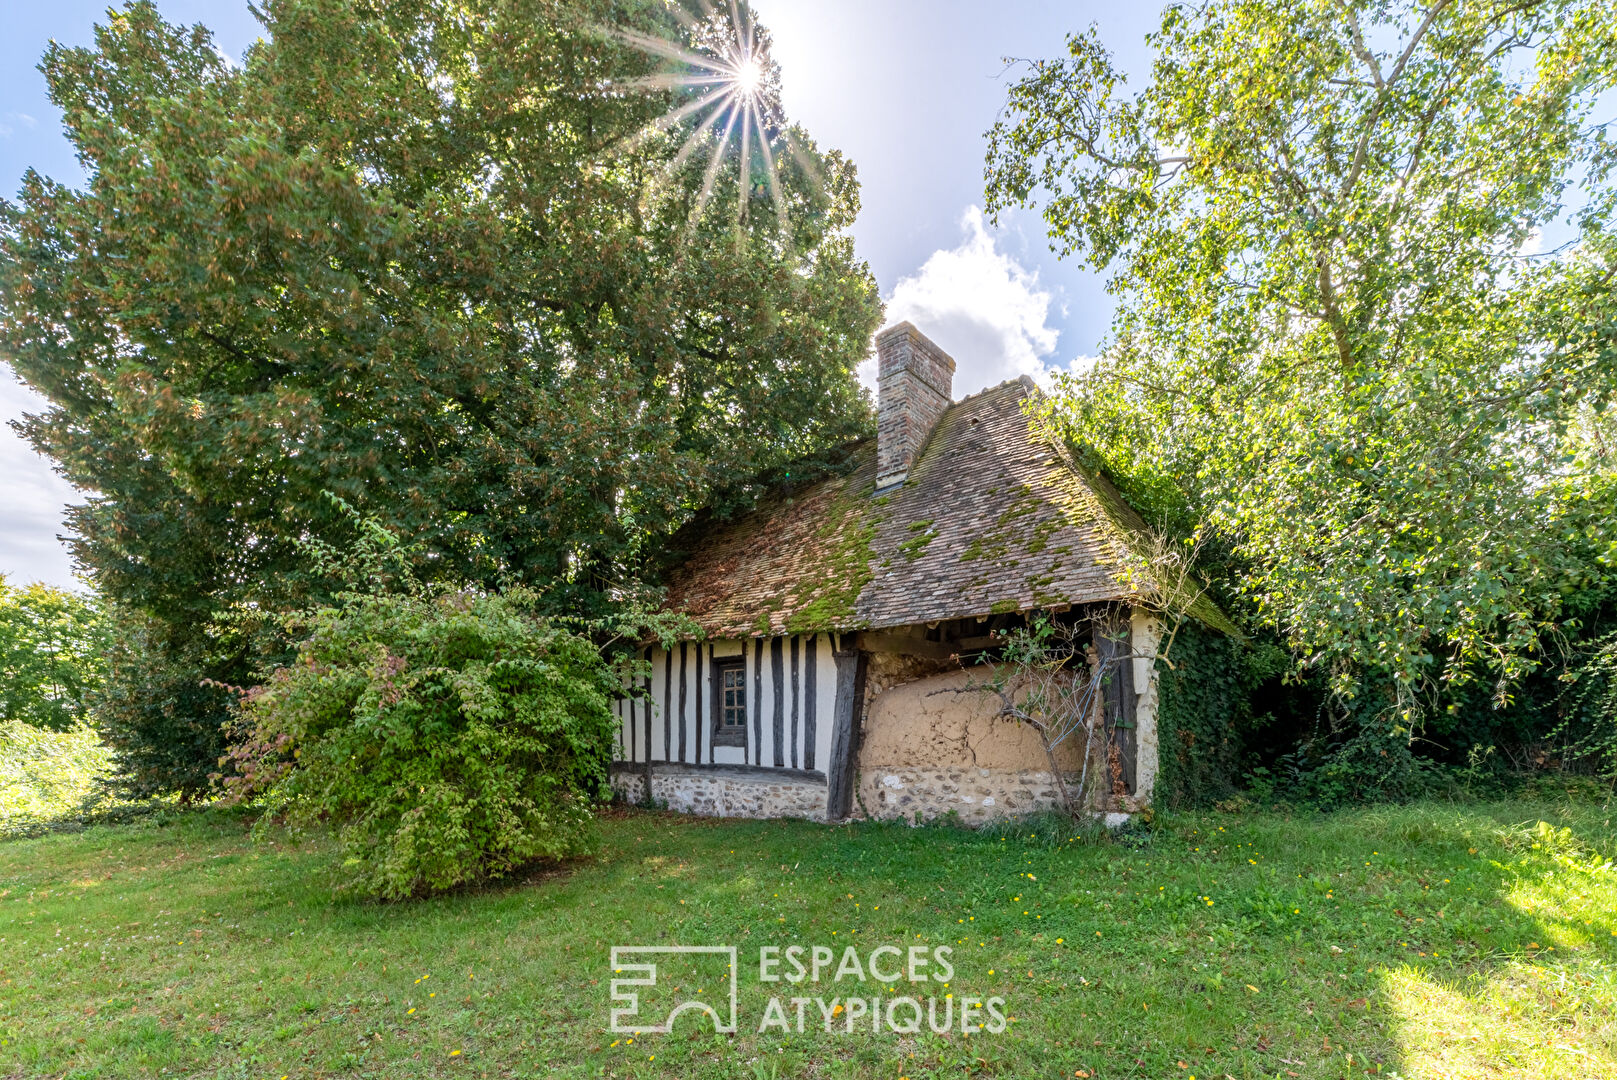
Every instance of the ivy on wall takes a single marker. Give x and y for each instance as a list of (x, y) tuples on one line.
[(1203, 711)]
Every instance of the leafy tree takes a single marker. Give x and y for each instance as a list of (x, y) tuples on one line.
[(160, 709), (49, 777), (53, 648), (1340, 341), (433, 257)]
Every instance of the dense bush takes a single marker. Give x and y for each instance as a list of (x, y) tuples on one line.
[(449, 736), (1588, 708), (1488, 736)]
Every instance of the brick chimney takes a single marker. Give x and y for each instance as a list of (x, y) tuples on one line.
[(913, 387)]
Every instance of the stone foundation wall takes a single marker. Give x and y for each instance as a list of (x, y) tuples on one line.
[(713, 793), (977, 795)]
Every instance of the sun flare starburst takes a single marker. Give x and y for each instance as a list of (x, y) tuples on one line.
[(735, 102), (749, 73)]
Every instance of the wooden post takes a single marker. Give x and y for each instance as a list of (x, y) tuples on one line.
[(758, 701), (846, 718), (682, 684), (1114, 649), (777, 678), (647, 774), (668, 704), (795, 686), (811, 704)]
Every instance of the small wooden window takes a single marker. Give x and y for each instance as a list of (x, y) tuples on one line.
[(729, 702)]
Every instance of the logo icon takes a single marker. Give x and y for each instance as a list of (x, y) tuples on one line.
[(638, 968)]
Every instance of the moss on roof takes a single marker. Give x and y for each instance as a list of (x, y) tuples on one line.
[(992, 519)]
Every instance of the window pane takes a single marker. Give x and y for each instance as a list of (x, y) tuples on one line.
[(731, 703)]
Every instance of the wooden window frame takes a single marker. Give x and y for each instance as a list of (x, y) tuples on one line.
[(736, 734)]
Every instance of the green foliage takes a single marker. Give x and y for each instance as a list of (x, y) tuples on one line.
[(1203, 717), (431, 256), (160, 710), (1588, 708), (53, 655), (1367, 762), (451, 737), (1336, 343), (45, 774)]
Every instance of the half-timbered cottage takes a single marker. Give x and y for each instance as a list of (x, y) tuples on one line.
[(841, 622)]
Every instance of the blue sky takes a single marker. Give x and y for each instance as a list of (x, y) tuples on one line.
[(906, 88)]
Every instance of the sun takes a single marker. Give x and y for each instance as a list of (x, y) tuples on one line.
[(736, 102), (749, 76)]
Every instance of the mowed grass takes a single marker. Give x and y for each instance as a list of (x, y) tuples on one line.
[(1433, 940)]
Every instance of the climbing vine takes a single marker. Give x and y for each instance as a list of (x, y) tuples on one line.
[(1203, 710)]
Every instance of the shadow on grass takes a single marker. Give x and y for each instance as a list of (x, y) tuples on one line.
[(1544, 1006)]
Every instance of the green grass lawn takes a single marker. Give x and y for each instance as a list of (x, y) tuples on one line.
[(1427, 941)]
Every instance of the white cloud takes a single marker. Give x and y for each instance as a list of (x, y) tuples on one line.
[(32, 498), (982, 306), (8, 122)]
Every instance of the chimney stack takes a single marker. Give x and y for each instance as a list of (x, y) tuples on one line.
[(913, 389)]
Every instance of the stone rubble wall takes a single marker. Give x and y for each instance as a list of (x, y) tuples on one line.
[(977, 796), (720, 795)]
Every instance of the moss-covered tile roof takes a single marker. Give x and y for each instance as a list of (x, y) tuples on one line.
[(991, 519)]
